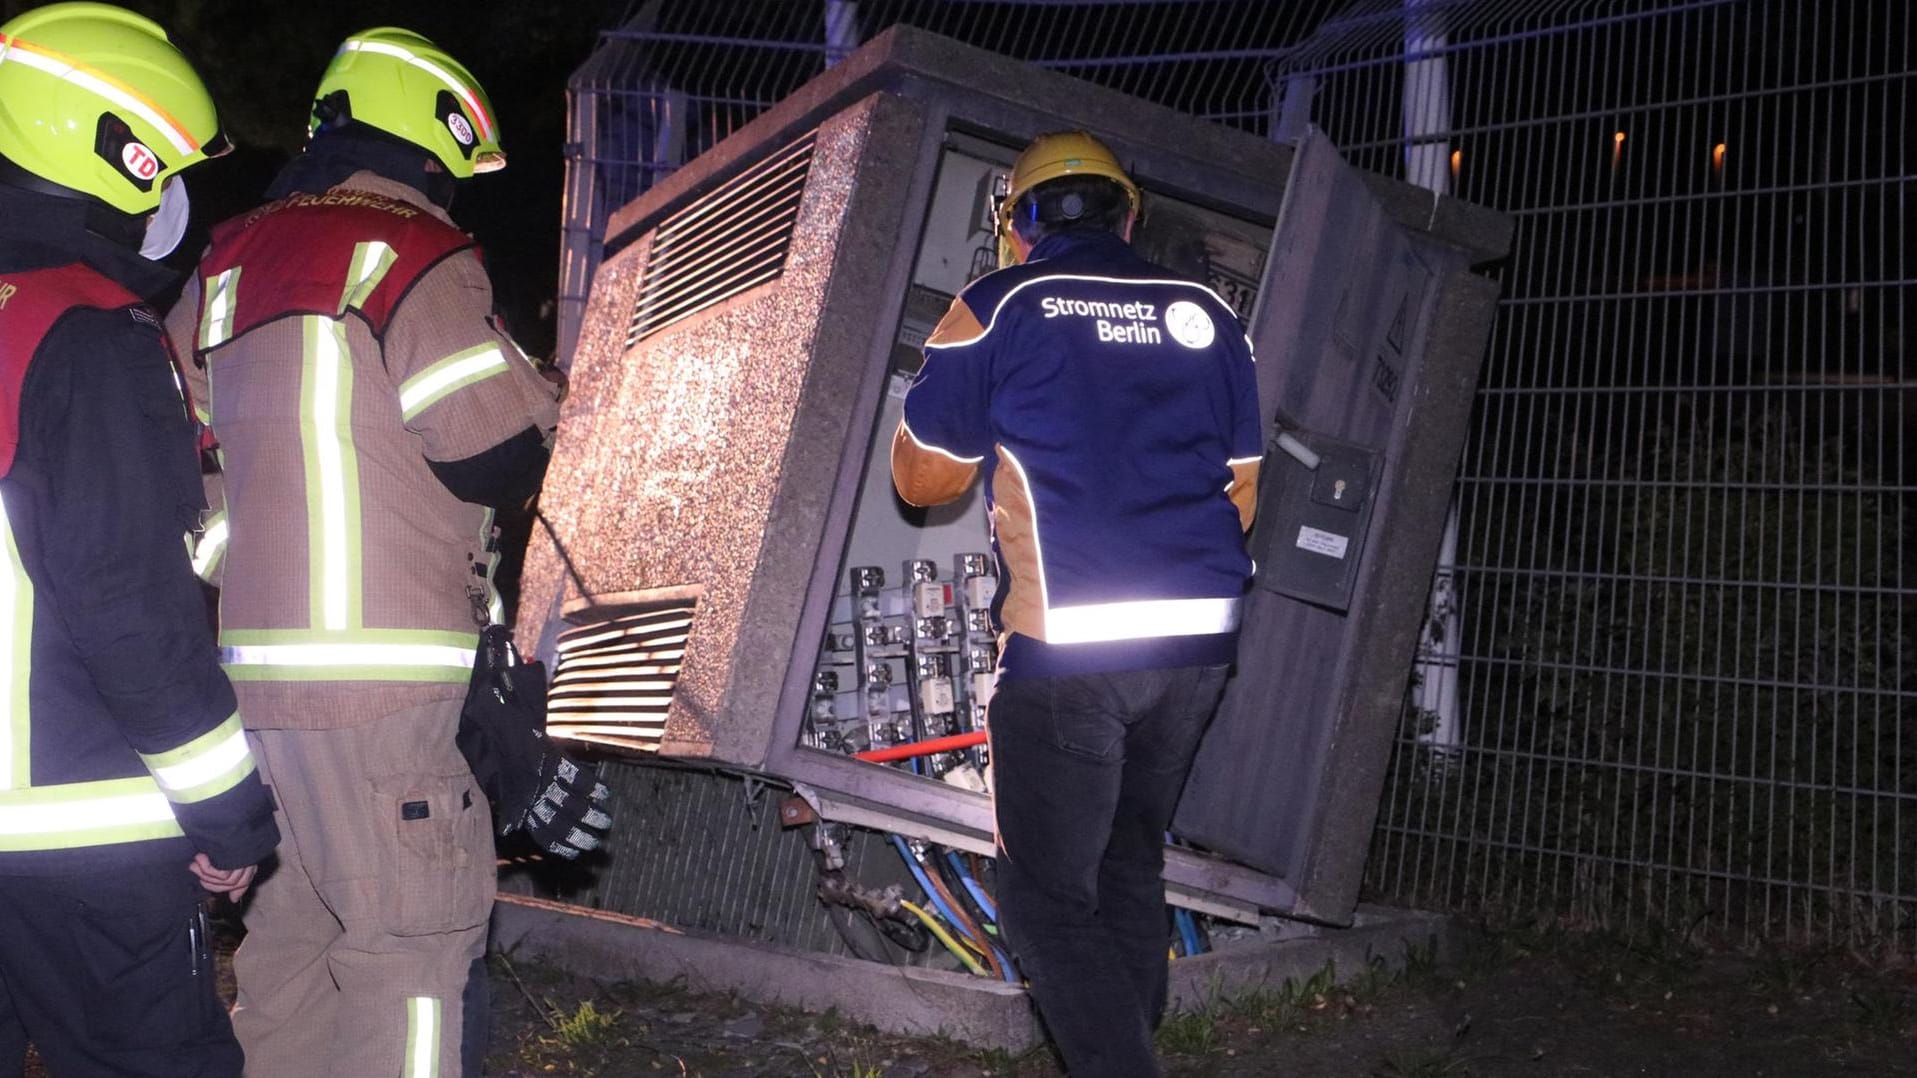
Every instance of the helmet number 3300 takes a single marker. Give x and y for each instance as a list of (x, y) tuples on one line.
[(1189, 324), (139, 161), (461, 130)]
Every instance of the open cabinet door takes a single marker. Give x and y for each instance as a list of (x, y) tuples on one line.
[(1371, 334)]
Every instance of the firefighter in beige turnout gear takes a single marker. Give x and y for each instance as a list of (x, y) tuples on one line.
[(370, 413)]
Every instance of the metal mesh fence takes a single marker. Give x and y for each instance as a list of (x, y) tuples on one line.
[(1672, 657), (1681, 626)]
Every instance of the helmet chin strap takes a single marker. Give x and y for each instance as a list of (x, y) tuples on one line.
[(167, 225)]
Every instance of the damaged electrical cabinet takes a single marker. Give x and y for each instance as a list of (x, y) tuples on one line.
[(735, 584)]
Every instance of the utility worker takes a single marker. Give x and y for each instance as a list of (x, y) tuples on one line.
[(370, 413), (126, 786), (1113, 410)]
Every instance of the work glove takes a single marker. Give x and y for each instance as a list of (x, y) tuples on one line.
[(533, 785), (569, 816)]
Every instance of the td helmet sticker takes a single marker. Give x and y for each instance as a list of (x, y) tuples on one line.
[(140, 162), (1189, 324), (461, 130)]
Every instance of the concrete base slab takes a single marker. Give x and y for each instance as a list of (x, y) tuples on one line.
[(896, 999), (1298, 951), (920, 1002)]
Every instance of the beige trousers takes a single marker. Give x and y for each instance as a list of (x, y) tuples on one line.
[(359, 942)]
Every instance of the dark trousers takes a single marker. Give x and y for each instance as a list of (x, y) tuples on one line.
[(110, 975), (1086, 772)]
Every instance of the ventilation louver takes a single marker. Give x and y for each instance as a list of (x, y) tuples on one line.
[(729, 240), (614, 681)]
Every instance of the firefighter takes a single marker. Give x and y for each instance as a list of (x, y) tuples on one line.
[(1112, 408), (371, 414), (127, 788)]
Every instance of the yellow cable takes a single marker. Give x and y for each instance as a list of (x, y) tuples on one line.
[(944, 937)]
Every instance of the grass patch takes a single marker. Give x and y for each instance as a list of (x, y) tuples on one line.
[(1189, 1033), (587, 1025)]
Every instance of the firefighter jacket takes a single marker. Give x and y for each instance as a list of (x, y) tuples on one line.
[(121, 742), (343, 347), (1113, 409)]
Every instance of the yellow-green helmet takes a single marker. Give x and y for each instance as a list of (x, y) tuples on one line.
[(95, 99), (400, 83)]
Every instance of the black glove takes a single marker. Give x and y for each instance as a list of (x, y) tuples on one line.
[(531, 783), (569, 816)]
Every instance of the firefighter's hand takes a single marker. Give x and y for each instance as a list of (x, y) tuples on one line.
[(561, 384), (231, 882)]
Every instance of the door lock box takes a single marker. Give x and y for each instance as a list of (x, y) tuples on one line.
[(1314, 507)]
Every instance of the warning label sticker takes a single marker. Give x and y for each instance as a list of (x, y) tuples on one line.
[(1322, 542)]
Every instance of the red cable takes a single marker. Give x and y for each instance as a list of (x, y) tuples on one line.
[(922, 748)]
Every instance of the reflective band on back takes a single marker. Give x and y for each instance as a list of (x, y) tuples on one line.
[(67, 69), (220, 304), (1139, 620), (460, 369), (371, 260), (16, 660), (332, 476), (422, 1038), (347, 655), (465, 92)]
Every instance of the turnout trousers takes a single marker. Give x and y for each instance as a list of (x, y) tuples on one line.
[(360, 943), (1087, 770), (110, 974)]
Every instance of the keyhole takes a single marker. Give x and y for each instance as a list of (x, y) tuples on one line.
[(1338, 490)]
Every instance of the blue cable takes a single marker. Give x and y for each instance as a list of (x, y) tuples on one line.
[(1188, 931), (987, 908), (971, 886), (925, 884), (1186, 924), (1005, 965)]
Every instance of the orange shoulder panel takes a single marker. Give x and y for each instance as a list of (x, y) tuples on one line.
[(925, 476), (958, 326)]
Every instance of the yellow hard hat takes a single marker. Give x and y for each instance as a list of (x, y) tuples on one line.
[(1054, 156), (95, 99)]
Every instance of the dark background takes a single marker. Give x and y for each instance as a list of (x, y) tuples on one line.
[(262, 60)]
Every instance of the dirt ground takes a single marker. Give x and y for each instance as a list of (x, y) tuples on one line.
[(1513, 1003)]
